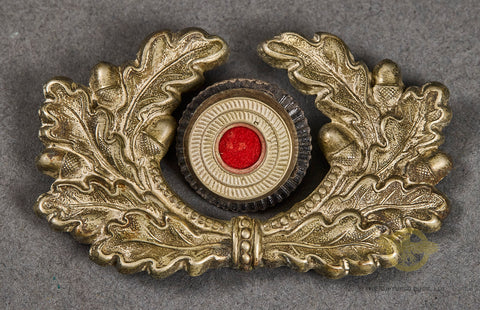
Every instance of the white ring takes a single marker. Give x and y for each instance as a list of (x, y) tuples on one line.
[(202, 150)]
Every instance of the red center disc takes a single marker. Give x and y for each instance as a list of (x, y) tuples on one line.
[(240, 147)]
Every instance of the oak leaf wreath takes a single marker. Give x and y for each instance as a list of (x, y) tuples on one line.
[(104, 143)]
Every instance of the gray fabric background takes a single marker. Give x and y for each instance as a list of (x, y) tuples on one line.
[(40, 268)]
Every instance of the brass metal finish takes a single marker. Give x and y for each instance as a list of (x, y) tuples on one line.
[(104, 143)]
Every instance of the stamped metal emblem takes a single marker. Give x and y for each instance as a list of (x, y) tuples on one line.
[(104, 144), (238, 145)]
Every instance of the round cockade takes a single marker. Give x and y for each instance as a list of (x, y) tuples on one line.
[(243, 145)]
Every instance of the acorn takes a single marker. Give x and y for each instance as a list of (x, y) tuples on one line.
[(339, 146), (429, 170), (388, 86), (106, 84), (50, 162), (158, 136), (162, 129)]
